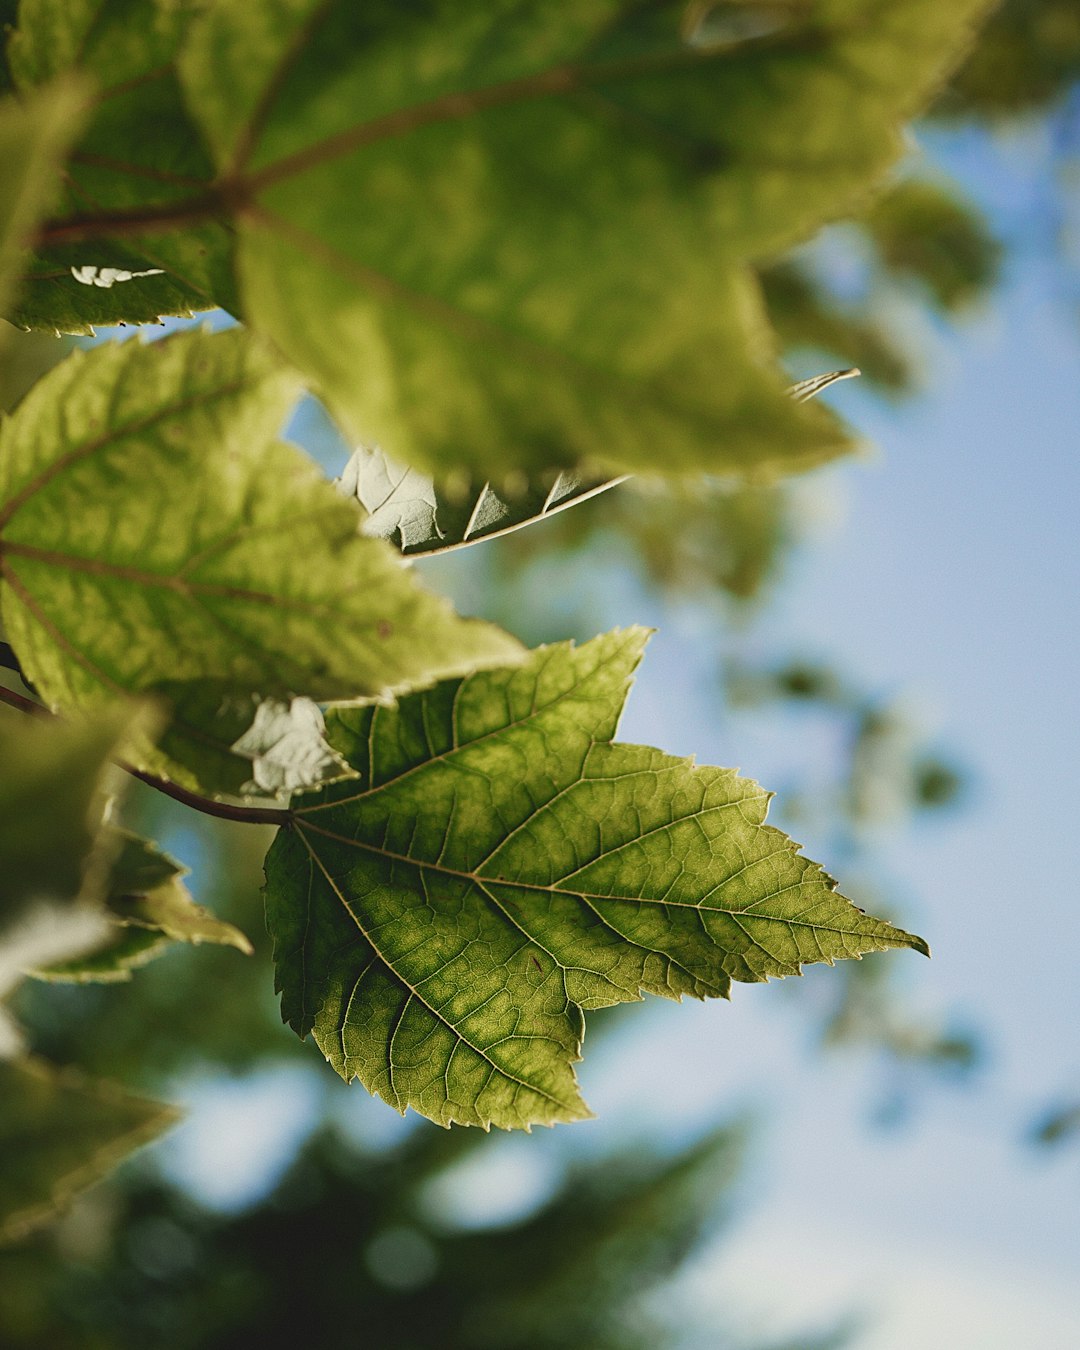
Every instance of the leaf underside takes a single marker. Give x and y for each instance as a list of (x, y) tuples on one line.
[(500, 867), (419, 514), (149, 908)]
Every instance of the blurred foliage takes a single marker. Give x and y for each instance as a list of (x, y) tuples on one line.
[(1027, 56), (730, 537), (926, 232), (349, 1249), (1058, 1125)]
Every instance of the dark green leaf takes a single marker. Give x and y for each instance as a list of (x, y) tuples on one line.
[(59, 1133), (502, 866), (152, 532), (140, 152), (34, 136)]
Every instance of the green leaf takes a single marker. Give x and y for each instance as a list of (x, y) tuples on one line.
[(59, 1133), (152, 533), (416, 514), (140, 152), (34, 135), (52, 797), (149, 908), (502, 866), (55, 857), (509, 236)]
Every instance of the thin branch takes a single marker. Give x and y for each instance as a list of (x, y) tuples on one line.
[(248, 815), (14, 700)]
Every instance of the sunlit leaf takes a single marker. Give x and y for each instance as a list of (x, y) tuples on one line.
[(501, 866), (512, 236), (59, 1133), (152, 532)]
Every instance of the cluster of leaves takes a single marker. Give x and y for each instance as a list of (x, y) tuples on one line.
[(516, 248)]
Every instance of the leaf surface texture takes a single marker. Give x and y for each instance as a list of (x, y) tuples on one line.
[(154, 533), (502, 866)]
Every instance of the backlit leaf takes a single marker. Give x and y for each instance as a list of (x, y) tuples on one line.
[(502, 866), (152, 533), (515, 235)]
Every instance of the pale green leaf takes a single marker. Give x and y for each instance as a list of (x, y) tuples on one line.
[(287, 747), (501, 866), (151, 534), (515, 235), (416, 514), (149, 907), (140, 152), (59, 1133)]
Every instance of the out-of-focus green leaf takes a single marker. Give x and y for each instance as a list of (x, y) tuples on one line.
[(151, 532), (1059, 1125), (502, 866), (807, 317), (54, 854), (515, 237), (149, 907), (1026, 57), (59, 1133), (34, 136), (52, 797), (140, 151), (926, 231)]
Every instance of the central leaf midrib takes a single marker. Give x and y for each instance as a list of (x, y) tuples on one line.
[(481, 880), (457, 105)]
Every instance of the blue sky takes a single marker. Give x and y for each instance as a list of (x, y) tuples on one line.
[(952, 574)]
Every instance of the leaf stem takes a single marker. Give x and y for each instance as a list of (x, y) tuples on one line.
[(248, 815)]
